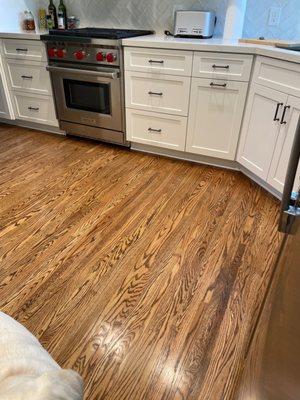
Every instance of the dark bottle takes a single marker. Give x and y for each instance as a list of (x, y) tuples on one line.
[(62, 16), (52, 14)]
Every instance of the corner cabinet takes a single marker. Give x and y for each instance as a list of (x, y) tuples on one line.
[(270, 121), (216, 110)]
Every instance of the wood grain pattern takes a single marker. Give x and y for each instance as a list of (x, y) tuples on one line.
[(144, 274)]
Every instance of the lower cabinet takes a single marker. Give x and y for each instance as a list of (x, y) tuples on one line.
[(5, 105), (261, 129), (34, 108), (283, 148), (154, 129), (216, 111)]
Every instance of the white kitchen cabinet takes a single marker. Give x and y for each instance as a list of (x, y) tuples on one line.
[(216, 110), (161, 93), (261, 128), (159, 130), (236, 67), (279, 164), (6, 110)]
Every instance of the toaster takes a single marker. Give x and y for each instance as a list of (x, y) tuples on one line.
[(194, 24)]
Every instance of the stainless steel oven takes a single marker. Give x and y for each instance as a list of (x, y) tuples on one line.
[(90, 96), (87, 75)]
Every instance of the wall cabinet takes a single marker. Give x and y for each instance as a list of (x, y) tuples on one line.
[(216, 110)]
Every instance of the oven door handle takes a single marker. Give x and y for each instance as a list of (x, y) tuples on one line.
[(100, 74)]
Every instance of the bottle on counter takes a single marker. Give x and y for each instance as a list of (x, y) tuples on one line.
[(42, 19), (62, 16), (28, 23), (52, 16)]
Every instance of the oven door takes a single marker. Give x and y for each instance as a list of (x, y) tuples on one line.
[(88, 96)]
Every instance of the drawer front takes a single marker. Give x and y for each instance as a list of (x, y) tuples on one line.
[(33, 50), (279, 75), (163, 94), (234, 67), (39, 109), (156, 129), (170, 62), (29, 77)]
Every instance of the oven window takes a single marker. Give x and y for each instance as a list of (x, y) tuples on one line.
[(87, 96)]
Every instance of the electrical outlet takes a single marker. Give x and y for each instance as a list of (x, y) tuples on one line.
[(274, 16)]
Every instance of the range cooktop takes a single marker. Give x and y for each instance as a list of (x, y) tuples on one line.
[(100, 33)]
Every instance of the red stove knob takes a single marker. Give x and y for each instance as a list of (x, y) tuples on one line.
[(100, 56), (80, 55), (110, 57), (60, 53), (52, 52)]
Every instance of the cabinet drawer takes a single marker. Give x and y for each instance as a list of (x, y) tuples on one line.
[(276, 74), (156, 129), (170, 62), (39, 109), (33, 50), (29, 77), (234, 67), (165, 94)]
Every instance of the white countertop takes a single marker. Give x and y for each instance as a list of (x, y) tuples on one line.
[(20, 34), (215, 45)]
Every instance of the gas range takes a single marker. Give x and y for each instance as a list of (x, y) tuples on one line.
[(86, 69), (88, 45)]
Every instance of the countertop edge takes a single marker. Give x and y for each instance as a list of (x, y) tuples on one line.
[(212, 45)]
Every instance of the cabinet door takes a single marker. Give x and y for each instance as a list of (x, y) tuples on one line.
[(278, 169), (216, 109), (260, 129), (5, 105)]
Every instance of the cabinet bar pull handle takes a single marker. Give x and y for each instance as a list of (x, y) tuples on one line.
[(26, 77), (154, 130), (156, 93), (276, 112), (33, 108), (156, 61), (283, 122), (221, 66), (22, 50), (212, 84)]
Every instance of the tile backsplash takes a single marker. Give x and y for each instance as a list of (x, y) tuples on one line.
[(158, 14), (257, 15), (140, 14)]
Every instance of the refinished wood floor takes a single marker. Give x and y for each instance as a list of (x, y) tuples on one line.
[(142, 273)]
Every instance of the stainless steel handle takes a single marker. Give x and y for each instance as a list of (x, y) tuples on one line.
[(33, 108), (155, 93), (154, 130), (212, 84), (220, 66), (290, 207), (283, 122), (25, 50), (100, 74), (26, 77), (156, 61), (276, 112)]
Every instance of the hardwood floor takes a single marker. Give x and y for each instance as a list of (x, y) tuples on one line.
[(144, 274)]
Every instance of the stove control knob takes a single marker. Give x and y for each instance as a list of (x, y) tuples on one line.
[(100, 56), (52, 52), (80, 55), (60, 53), (110, 57)]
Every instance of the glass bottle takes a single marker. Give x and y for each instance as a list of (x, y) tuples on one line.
[(53, 15), (62, 16)]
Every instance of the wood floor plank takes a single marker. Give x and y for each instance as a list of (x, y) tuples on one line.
[(144, 274)]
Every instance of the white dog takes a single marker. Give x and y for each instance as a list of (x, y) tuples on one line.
[(27, 372)]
